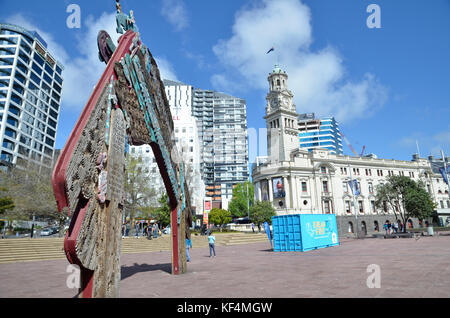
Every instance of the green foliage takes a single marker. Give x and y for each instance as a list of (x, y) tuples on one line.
[(6, 203), (239, 205), (219, 217), (262, 212), (419, 203), (138, 191), (405, 197), (162, 214), (32, 194)]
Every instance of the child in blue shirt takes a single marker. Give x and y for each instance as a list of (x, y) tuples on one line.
[(212, 241)]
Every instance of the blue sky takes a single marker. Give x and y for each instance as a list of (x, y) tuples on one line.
[(387, 87)]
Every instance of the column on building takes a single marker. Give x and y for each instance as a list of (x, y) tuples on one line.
[(270, 190), (295, 194), (287, 189)]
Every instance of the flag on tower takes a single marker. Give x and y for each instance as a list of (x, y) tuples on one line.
[(271, 49)]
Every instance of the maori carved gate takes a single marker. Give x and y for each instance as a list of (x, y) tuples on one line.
[(128, 104)]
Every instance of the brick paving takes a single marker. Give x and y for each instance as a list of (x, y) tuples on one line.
[(410, 268)]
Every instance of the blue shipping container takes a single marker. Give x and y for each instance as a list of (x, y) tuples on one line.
[(304, 232)]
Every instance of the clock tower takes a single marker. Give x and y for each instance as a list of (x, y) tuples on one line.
[(281, 118)]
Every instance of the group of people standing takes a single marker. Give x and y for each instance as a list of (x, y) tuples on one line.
[(150, 230), (395, 227)]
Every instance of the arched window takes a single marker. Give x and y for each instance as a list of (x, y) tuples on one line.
[(278, 82), (350, 227), (363, 228), (376, 226)]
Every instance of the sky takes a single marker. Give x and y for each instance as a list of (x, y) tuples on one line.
[(388, 87)]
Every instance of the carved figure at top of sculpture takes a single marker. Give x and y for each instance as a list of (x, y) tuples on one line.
[(124, 22)]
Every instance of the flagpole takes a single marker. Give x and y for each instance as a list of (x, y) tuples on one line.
[(446, 172), (353, 199)]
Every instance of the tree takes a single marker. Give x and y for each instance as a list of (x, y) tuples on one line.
[(139, 194), (262, 212), (419, 203), (406, 198), (6, 203), (162, 214), (219, 217), (241, 199), (32, 194)]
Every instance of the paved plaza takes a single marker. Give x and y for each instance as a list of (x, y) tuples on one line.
[(408, 268)]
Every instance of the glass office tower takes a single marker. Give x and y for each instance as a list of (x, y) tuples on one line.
[(317, 133), (30, 96), (222, 123)]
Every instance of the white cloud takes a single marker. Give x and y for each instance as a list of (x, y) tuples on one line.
[(175, 13), (83, 69), (317, 79), (166, 69), (429, 144)]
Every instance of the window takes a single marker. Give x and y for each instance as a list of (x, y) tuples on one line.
[(361, 207), (4, 83), (345, 186), (326, 207), (26, 129), (25, 140), (370, 187), (325, 186), (442, 204), (304, 187), (38, 60), (323, 170), (24, 151), (10, 133), (347, 207), (37, 69), (374, 210)]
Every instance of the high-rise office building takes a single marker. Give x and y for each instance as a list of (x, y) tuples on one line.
[(30, 97), (315, 133), (186, 137), (222, 123)]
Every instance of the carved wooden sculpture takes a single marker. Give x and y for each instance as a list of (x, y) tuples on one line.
[(128, 104)]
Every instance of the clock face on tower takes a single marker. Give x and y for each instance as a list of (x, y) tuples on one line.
[(274, 102)]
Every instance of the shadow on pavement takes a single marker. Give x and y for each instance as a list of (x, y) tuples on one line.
[(127, 271)]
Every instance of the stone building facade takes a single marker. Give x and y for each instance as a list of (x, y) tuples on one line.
[(317, 182)]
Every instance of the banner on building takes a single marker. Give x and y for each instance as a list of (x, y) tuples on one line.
[(278, 188), (354, 186)]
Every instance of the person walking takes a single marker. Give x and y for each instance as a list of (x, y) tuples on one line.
[(155, 230), (150, 231), (386, 227), (253, 227), (212, 243), (188, 245), (136, 227)]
